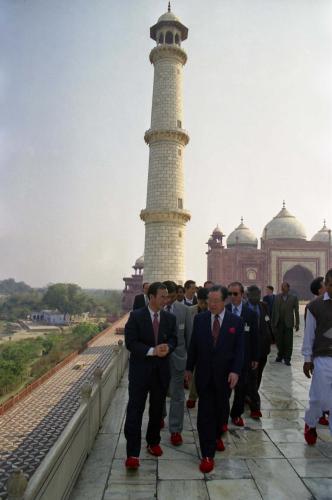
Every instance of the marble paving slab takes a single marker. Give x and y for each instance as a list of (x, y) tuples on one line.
[(312, 467), (229, 469), (277, 480), (239, 489), (126, 491), (321, 488), (146, 474), (184, 490), (184, 469)]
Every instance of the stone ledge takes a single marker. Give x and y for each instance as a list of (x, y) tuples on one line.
[(177, 134)]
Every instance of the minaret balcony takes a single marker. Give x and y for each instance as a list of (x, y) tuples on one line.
[(172, 134), (167, 51), (160, 215)]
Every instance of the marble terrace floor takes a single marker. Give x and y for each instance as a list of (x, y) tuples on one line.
[(266, 459)]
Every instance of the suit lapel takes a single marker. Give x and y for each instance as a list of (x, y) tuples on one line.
[(162, 324)]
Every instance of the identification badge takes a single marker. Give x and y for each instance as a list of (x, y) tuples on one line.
[(246, 328), (267, 318)]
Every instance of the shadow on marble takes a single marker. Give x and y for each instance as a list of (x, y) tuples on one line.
[(179, 469), (173, 490), (146, 474)]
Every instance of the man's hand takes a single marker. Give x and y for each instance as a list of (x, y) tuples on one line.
[(308, 368), (254, 365), (161, 350), (188, 376), (232, 379)]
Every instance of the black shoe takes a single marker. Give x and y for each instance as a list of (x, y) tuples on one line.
[(287, 362), (278, 359)]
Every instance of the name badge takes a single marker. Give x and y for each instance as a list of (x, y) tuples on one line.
[(246, 328), (267, 318)]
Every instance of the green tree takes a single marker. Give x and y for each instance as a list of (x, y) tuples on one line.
[(67, 298)]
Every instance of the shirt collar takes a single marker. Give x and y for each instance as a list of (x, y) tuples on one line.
[(152, 313), (326, 296), (239, 308), (221, 316)]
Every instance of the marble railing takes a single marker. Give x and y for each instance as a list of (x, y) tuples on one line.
[(57, 474)]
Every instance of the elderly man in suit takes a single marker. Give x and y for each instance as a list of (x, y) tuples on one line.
[(150, 336), (216, 352), (251, 350), (142, 300), (178, 360), (285, 308)]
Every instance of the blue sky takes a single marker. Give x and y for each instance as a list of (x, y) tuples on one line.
[(75, 97)]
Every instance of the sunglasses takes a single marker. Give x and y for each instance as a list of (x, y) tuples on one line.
[(233, 293)]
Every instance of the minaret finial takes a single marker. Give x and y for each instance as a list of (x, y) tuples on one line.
[(284, 204), (241, 219), (169, 6), (324, 223)]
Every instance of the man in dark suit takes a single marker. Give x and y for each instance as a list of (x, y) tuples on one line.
[(150, 336), (269, 298), (216, 353), (190, 298), (251, 354), (142, 300), (264, 347), (285, 308)]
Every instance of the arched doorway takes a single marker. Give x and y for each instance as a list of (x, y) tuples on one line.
[(299, 279)]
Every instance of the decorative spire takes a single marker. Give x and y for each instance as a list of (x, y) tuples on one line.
[(169, 6), (284, 204), (324, 224), (241, 219)]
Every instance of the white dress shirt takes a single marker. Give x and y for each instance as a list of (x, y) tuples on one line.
[(239, 308), (309, 333)]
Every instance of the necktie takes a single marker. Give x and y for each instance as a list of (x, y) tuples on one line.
[(215, 329), (155, 324), (236, 311)]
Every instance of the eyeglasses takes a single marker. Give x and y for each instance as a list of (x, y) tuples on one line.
[(233, 293)]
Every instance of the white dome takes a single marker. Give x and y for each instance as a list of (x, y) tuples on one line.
[(217, 231), (242, 236), (322, 235), (140, 262), (168, 16), (284, 226)]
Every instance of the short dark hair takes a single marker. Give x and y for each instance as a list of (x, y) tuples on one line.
[(202, 293), (178, 288), (145, 283), (208, 281), (328, 276), (316, 285), (286, 283), (237, 283), (219, 288), (171, 286), (253, 288), (270, 287), (154, 287), (188, 284)]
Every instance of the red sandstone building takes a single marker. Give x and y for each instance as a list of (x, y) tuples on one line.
[(285, 254)]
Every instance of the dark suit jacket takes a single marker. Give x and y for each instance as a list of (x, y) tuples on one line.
[(215, 362), (139, 301), (264, 330), (292, 309), (269, 300), (139, 337), (251, 342)]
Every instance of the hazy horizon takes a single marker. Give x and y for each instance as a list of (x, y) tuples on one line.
[(76, 93)]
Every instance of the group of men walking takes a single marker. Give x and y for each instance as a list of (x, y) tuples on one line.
[(213, 340)]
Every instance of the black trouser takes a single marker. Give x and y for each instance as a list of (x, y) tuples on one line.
[(240, 394), (284, 340), (211, 407), (253, 382), (138, 391)]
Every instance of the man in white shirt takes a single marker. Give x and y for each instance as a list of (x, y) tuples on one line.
[(317, 352)]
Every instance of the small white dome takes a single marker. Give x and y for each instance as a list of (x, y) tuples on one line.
[(242, 236), (284, 226), (168, 16), (140, 262), (322, 235), (217, 231)]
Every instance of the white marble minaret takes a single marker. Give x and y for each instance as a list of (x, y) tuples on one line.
[(164, 216)]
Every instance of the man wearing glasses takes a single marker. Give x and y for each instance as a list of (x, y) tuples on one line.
[(251, 350)]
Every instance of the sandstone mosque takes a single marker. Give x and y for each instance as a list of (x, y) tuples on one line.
[(284, 252)]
